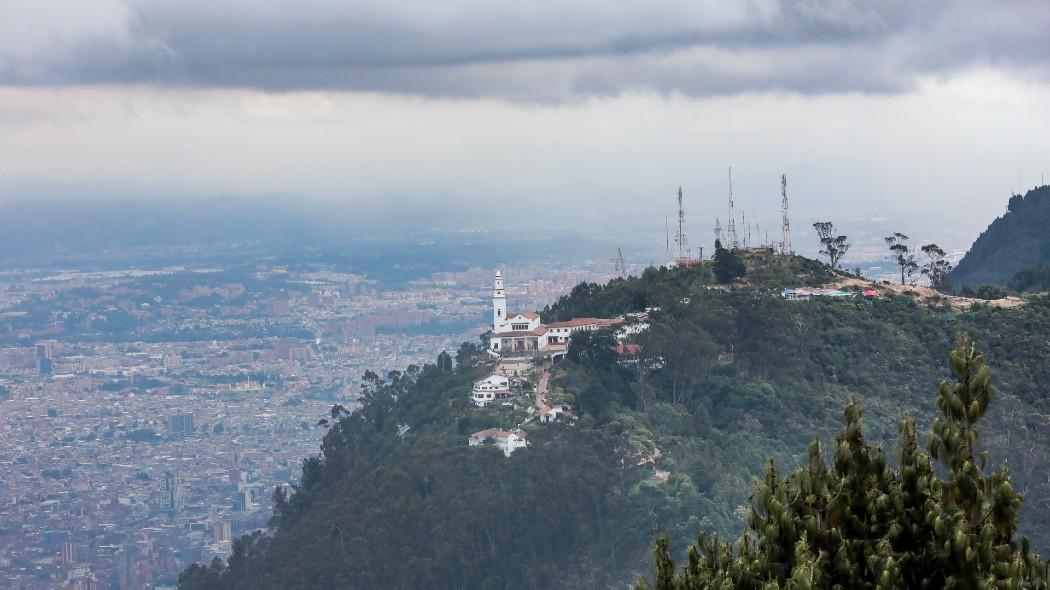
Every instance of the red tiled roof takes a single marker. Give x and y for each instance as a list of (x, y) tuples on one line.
[(490, 433), (577, 322), (629, 349)]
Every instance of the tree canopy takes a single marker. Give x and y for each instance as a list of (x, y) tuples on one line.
[(862, 523), (728, 266)]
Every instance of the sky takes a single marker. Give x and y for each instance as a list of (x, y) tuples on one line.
[(922, 115)]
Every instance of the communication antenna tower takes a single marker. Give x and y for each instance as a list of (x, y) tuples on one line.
[(621, 264), (731, 230), (667, 236), (680, 237), (785, 231), (718, 229)]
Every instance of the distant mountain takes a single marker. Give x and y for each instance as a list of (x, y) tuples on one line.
[(1018, 241)]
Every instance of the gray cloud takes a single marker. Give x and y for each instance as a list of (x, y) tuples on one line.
[(542, 50)]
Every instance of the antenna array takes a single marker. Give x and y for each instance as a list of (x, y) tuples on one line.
[(785, 231), (731, 230), (680, 238)]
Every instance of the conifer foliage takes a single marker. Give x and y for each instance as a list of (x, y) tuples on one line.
[(728, 265), (937, 520)]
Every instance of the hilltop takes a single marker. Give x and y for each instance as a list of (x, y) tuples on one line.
[(668, 438), (1014, 243)]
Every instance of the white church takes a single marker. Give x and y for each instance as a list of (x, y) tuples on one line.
[(522, 334)]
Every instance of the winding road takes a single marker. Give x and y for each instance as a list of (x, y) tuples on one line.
[(541, 392)]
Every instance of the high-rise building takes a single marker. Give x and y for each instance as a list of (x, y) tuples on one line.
[(181, 423), (172, 492), (242, 502), (69, 553), (51, 539), (221, 532), (43, 353)]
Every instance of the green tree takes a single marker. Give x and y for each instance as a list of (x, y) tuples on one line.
[(592, 348), (728, 265), (904, 258), (832, 246), (444, 361), (863, 524), (936, 268)]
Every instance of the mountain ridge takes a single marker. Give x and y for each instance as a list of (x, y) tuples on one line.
[(725, 380), (1014, 242)]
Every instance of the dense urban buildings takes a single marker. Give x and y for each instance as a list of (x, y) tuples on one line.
[(147, 416)]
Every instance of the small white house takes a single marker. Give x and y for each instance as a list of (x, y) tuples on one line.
[(508, 442), (556, 413), (491, 389)]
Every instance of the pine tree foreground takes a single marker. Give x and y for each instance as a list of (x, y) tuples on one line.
[(864, 524)]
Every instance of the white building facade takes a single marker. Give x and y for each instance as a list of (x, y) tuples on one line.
[(490, 390), (523, 333)]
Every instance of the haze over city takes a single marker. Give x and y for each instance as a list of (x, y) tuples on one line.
[(355, 294)]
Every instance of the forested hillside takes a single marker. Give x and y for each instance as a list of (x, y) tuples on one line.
[(1017, 242), (669, 440)]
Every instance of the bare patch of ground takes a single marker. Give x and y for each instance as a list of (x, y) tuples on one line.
[(923, 294)]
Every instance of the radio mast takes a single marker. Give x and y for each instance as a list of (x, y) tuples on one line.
[(731, 230), (785, 231), (680, 238), (621, 264), (667, 236)]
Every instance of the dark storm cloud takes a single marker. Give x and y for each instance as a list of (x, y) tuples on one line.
[(536, 51)]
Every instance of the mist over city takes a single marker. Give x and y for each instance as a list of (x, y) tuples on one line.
[(552, 295)]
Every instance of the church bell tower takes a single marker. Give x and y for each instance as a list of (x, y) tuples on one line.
[(499, 304)]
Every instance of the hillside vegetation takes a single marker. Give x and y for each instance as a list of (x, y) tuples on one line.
[(850, 519), (1017, 242), (671, 441)]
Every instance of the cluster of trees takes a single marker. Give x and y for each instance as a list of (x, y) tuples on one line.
[(934, 267), (730, 379), (727, 264), (1032, 279), (863, 523)]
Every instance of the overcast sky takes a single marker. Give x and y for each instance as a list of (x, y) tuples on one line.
[(927, 113)]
